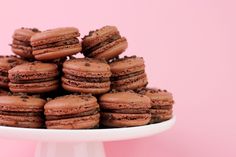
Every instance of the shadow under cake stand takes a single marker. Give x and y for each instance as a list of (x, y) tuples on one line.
[(80, 143)]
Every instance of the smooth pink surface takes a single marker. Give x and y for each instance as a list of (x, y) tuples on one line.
[(189, 47)]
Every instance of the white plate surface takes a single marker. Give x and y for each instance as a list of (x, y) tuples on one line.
[(89, 135)]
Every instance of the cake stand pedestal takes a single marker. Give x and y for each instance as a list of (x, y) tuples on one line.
[(80, 143)]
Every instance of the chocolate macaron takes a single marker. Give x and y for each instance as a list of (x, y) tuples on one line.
[(34, 77), (124, 109), (161, 102), (21, 111), (72, 112), (128, 73), (21, 42), (6, 63), (104, 43), (56, 43), (86, 75)]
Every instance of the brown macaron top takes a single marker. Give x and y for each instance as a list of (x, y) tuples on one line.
[(21, 104), (33, 70), (124, 100), (8, 62), (70, 104), (158, 96), (99, 35), (24, 34), (126, 64), (87, 65), (54, 35)]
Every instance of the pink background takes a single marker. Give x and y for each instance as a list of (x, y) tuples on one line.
[(189, 47)]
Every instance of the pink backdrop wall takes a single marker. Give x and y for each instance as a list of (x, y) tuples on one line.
[(189, 48)]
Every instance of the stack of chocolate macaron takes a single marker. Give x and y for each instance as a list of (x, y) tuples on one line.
[(44, 86)]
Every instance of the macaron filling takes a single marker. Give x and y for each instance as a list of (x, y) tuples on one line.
[(121, 77), (128, 111), (16, 113), (33, 77), (26, 49), (82, 114), (117, 116), (87, 79), (87, 51), (78, 84), (18, 42), (71, 41)]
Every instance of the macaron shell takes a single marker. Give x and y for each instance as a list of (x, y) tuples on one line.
[(57, 52), (110, 50), (160, 97), (35, 67), (125, 64), (33, 71), (24, 34), (54, 35), (126, 98), (86, 65), (85, 122), (41, 87), (21, 104), (70, 104), (99, 36), (124, 120)]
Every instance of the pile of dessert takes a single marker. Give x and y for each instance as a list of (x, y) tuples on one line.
[(45, 86)]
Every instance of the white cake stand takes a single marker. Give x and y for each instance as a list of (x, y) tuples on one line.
[(79, 143)]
